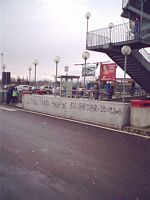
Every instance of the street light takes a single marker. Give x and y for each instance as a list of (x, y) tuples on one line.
[(35, 63), (141, 18), (29, 68), (87, 15), (1, 59), (56, 60), (3, 79), (110, 26), (85, 56), (3, 67), (126, 51)]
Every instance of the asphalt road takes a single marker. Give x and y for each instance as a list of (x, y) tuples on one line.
[(43, 158)]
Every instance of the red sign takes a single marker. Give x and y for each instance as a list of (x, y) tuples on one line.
[(108, 72)]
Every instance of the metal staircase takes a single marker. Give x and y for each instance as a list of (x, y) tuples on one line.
[(135, 67), (111, 40), (140, 9)]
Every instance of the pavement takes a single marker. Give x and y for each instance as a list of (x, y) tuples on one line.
[(44, 158), (138, 130), (129, 129)]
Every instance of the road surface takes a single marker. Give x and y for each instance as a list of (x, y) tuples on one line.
[(43, 158)]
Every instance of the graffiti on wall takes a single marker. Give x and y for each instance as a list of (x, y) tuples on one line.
[(48, 103)]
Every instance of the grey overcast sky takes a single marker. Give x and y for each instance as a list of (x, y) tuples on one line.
[(43, 29)]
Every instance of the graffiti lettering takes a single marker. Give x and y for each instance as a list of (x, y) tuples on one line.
[(81, 106), (45, 102), (59, 104), (33, 101)]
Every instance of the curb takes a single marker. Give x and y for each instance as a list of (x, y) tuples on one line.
[(137, 130), (129, 129)]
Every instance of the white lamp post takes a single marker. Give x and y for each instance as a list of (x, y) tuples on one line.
[(110, 26), (3, 67), (56, 60), (126, 51), (4, 81), (1, 60), (141, 18), (66, 80), (87, 15), (29, 68), (35, 63), (85, 56)]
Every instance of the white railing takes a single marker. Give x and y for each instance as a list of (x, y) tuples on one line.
[(145, 54), (118, 33), (124, 3)]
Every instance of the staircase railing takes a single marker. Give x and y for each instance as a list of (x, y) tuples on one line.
[(115, 34), (145, 54), (118, 33), (124, 3)]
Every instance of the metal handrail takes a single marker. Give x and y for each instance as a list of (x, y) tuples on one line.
[(124, 3), (118, 33), (115, 34), (145, 54)]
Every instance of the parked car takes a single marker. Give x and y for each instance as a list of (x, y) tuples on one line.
[(46, 89), (57, 90), (21, 88), (41, 92), (35, 89)]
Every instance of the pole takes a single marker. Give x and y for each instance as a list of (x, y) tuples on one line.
[(3, 84), (67, 85), (2, 67), (84, 78), (87, 31), (56, 78), (29, 76), (35, 75), (87, 25), (141, 18), (110, 33), (1, 60), (125, 67)]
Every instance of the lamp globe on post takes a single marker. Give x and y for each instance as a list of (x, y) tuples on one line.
[(56, 60), (126, 51), (110, 26), (85, 56), (35, 63), (87, 16), (29, 68)]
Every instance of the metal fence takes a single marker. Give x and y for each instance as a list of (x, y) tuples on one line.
[(115, 34), (124, 3), (145, 54)]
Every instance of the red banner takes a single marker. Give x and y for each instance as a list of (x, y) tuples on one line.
[(108, 72)]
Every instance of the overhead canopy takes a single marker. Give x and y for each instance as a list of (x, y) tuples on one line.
[(69, 77)]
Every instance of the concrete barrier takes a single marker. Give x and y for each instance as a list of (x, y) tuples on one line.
[(106, 113), (3, 97), (140, 113)]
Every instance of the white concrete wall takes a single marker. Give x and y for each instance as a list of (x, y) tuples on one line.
[(140, 117), (107, 113)]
